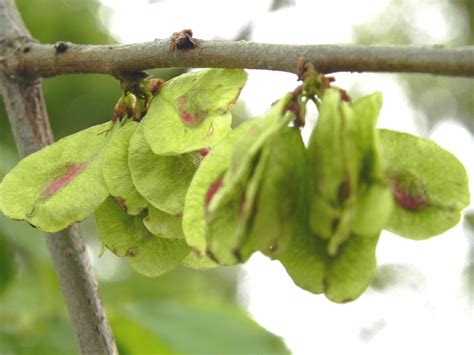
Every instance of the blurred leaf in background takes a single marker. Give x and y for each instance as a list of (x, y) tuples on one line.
[(77, 101), (7, 263), (194, 328), (184, 312)]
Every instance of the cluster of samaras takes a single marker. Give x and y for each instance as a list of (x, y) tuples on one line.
[(178, 186)]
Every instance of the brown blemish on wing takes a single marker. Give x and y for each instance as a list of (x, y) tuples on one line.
[(31, 213), (347, 300), (210, 131), (272, 247), (243, 205), (237, 255), (121, 203), (344, 191), (70, 171), (131, 252), (211, 256), (326, 284), (196, 252)]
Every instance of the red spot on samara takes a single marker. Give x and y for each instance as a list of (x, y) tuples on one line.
[(203, 152), (215, 186), (188, 118), (408, 201), (68, 172)]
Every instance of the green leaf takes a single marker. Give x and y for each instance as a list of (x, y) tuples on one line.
[(204, 328), (162, 180), (192, 111), (429, 184), (9, 158), (35, 336), (59, 185), (350, 272), (117, 173), (7, 263), (163, 225), (23, 236), (126, 236), (133, 338)]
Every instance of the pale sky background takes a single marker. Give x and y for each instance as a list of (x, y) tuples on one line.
[(427, 312)]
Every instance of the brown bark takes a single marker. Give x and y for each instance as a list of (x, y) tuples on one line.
[(46, 60), (24, 102)]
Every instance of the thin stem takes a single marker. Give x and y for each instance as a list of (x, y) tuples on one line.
[(43, 60), (26, 110)]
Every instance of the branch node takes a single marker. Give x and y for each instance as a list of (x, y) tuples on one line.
[(61, 47), (181, 41)]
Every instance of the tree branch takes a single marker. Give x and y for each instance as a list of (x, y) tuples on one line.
[(43, 60), (26, 110)]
